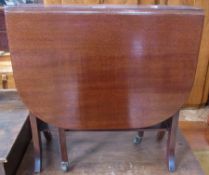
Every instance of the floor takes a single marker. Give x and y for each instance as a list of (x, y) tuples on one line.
[(113, 153), (193, 127), (197, 135)]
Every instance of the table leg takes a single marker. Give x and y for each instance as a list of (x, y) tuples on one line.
[(44, 127), (63, 150), (172, 130), (36, 144)]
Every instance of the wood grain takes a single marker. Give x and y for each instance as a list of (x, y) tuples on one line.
[(81, 1), (181, 2), (120, 1), (143, 2), (200, 90), (52, 2), (78, 70)]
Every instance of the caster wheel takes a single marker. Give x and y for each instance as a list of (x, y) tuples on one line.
[(171, 165), (64, 166), (172, 169), (137, 140)]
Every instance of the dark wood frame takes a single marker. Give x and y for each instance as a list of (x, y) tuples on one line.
[(170, 125), (118, 85), (17, 152), (37, 127)]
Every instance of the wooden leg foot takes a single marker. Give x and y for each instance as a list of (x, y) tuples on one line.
[(172, 142), (47, 135), (63, 150), (160, 135), (44, 127), (36, 144)]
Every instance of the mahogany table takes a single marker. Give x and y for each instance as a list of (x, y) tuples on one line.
[(104, 67)]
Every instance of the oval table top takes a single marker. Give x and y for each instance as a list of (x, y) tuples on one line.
[(104, 67)]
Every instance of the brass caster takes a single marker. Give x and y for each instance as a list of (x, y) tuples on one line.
[(64, 166), (171, 164), (137, 140)]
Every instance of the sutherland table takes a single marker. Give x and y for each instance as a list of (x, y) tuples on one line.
[(104, 67)]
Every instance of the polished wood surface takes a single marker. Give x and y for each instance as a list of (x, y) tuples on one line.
[(200, 90), (126, 67)]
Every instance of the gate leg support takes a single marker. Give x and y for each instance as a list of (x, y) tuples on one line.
[(172, 130), (63, 150), (36, 144)]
